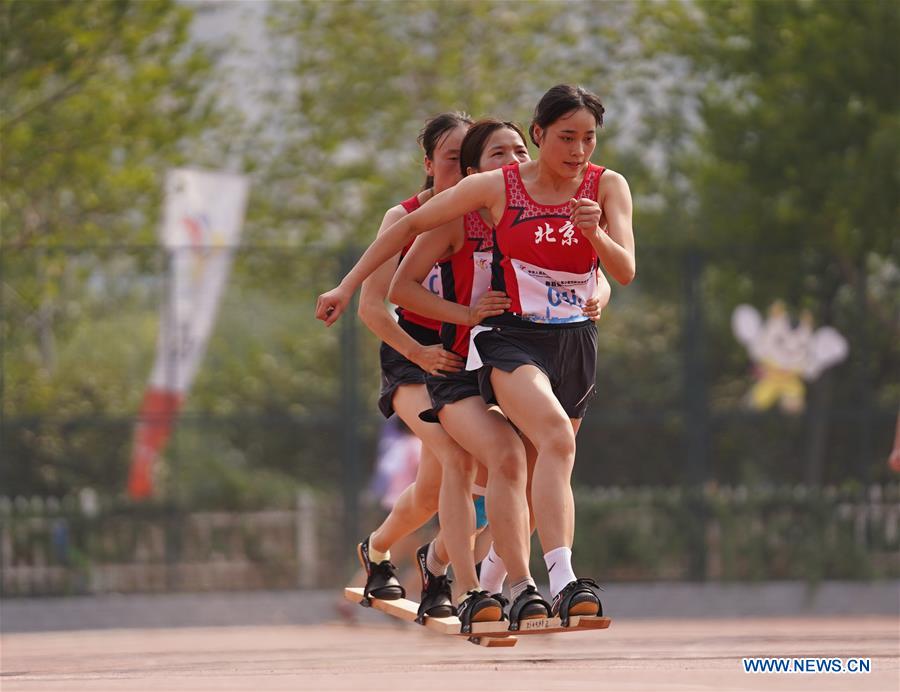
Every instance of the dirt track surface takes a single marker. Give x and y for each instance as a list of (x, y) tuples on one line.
[(631, 655)]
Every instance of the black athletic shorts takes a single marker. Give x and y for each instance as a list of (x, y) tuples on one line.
[(565, 353), (449, 389), (396, 370)]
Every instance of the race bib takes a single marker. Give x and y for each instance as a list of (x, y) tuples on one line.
[(481, 275), (433, 281), (550, 296)]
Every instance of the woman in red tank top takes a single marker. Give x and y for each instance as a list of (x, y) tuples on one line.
[(531, 373), (410, 349), (465, 253), (464, 248)]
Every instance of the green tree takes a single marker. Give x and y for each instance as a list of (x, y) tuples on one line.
[(367, 75), (784, 170), (98, 100), (799, 122)]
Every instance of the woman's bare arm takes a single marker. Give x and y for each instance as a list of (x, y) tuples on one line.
[(374, 313), (473, 192), (407, 289), (615, 247)]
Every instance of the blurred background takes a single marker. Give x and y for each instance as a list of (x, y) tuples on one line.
[(761, 141)]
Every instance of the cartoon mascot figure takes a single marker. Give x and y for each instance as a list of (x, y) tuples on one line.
[(785, 356)]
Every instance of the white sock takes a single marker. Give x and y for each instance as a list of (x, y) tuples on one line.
[(377, 556), (493, 572), (433, 562), (559, 567), (519, 587)]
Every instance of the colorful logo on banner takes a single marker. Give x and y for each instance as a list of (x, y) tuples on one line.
[(784, 355)]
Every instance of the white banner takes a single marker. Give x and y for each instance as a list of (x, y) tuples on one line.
[(201, 228)]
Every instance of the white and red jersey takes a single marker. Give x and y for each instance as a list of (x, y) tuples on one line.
[(432, 282), (540, 259), (466, 276)]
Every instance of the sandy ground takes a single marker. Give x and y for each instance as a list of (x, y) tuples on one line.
[(631, 655)]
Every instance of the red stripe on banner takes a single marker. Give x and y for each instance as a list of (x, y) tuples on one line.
[(154, 426)]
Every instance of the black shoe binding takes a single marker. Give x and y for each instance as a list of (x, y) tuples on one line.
[(503, 601), (575, 593), (381, 578), (436, 600), (480, 606), (526, 606)]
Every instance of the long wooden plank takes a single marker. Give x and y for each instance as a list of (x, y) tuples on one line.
[(401, 608), (406, 610)]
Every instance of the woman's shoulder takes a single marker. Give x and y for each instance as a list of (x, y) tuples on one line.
[(611, 179), (487, 178), (398, 211), (409, 205), (423, 196)]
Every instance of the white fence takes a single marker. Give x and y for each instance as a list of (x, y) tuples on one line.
[(81, 545), (49, 546)]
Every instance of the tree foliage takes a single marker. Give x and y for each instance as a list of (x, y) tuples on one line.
[(98, 99), (766, 134), (367, 76), (798, 141)]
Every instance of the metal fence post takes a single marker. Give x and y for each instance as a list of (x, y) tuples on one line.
[(306, 532), (349, 409), (173, 522), (696, 405), (864, 384), (2, 352)]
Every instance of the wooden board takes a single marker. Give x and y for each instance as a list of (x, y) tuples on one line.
[(496, 633)]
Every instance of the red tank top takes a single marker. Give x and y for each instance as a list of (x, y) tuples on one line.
[(540, 258), (432, 282), (466, 276)]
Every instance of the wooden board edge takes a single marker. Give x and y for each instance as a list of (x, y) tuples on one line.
[(494, 641), (593, 623), (405, 610)]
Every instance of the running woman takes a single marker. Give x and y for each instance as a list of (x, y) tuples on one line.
[(410, 349), (556, 218), (465, 255), (456, 401)]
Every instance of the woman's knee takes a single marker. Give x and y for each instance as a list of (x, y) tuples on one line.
[(509, 464), (458, 464), (558, 444)]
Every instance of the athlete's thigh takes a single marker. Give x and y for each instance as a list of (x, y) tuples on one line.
[(479, 430), (525, 395), (409, 401)]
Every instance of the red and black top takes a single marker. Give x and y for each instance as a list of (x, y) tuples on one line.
[(466, 276), (540, 259), (432, 281)]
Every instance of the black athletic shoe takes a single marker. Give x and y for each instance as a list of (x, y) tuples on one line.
[(480, 606), (527, 606), (579, 597), (381, 578), (436, 601), (503, 601)]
